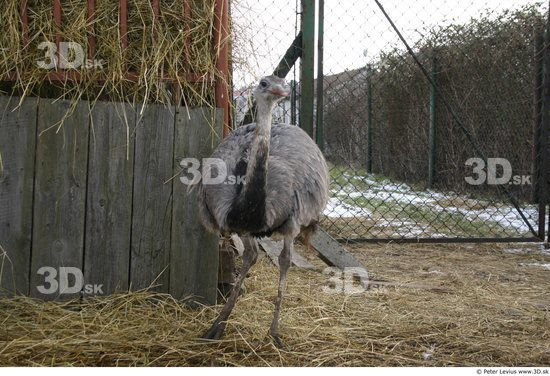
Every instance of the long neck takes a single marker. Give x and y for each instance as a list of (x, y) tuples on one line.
[(248, 213), (256, 171)]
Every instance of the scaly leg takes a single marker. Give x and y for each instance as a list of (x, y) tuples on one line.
[(284, 264), (250, 255)]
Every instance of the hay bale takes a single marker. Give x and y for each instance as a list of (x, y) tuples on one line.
[(179, 43)]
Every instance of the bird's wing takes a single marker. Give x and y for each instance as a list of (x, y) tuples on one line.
[(297, 178), (215, 200)]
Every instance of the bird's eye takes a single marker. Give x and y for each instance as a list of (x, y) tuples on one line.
[(263, 83)]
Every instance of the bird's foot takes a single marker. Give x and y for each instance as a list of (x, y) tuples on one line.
[(215, 332), (277, 340)]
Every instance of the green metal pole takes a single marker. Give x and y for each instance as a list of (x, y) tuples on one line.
[(319, 125), (544, 165), (292, 54), (369, 119), (307, 66), (537, 182), (433, 124), (293, 102)]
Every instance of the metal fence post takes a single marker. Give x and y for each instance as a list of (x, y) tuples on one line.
[(293, 102), (544, 135), (289, 59), (537, 127), (307, 66), (537, 110), (319, 126), (433, 124), (369, 119)]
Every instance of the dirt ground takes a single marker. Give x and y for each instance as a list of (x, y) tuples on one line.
[(447, 304)]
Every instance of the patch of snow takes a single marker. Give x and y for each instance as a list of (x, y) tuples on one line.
[(338, 209), (405, 198), (517, 251), (434, 272), (545, 266), (428, 354), (526, 249), (401, 194), (508, 217), (439, 235)]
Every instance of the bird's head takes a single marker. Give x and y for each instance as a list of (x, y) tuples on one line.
[(271, 89)]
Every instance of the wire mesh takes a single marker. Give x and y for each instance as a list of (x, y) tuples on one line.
[(262, 32), (403, 165)]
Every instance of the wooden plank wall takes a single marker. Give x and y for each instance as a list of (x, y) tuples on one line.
[(59, 192), (152, 206), (190, 271), (17, 153), (101, 194), (109, 198)]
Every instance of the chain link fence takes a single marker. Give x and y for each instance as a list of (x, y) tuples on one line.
[(262, 31), (456, 160)]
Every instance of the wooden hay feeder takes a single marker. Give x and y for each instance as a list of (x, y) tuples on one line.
[(90, 197)]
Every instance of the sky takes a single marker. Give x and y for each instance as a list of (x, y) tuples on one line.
[(355, 30)]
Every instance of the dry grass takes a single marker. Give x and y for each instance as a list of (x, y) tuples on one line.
[(173, 46), (497, 313)]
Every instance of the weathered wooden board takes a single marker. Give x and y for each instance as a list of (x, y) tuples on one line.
[(59, 196), (17, 152), (194, 257), (152, 199), (274, 247), (332, 252), (109, 197)]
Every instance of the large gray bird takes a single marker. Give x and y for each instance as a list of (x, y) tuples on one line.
[(284, 190)]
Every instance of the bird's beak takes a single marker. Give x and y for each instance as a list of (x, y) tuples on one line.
[(279, 91)]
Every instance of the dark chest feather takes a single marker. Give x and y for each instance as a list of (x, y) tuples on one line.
[(248, 212)]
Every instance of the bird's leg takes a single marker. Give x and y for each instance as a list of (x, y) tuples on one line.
[(250, 255), (284, 264)]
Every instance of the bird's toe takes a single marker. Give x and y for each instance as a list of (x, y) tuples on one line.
[(278, 341), (215, 332)]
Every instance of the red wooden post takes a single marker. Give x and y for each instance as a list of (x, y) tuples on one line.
[(57, 21), (221, 51), (124, 24), (156, 8), (156, 12), (91, 32), (187, 20), (186, 12), (24, 14)]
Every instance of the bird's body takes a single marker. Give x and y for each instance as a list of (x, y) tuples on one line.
[(296, 184), (276, 183)]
